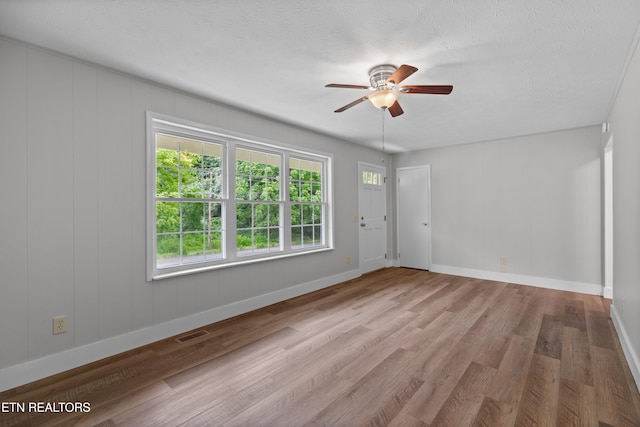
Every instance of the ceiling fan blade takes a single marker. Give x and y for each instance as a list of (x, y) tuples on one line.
[(430, 89), (395, 109), (347, 86), (401, 73), (356, 102)]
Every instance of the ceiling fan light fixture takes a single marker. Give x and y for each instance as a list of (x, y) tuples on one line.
[(384, 98)]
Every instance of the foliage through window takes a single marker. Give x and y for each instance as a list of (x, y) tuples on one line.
[(305, 193), (217, 199), (258, 222)]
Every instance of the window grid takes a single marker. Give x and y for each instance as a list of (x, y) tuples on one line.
[(194, 226), (188, 218), (307, 208), (257, 179)]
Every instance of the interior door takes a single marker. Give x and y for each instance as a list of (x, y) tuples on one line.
[(414, 216), (372, 217)]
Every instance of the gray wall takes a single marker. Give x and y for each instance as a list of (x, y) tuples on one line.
[(72, 182), (533, 199), (625, 128)]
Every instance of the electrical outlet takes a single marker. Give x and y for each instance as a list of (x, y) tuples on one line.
[(59, 325), (504, 264), (348, 260)]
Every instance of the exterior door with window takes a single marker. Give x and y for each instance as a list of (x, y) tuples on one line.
[(372, 217)]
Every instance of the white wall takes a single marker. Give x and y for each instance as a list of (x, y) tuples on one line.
[(72, 229), (625, 128), (534, 200)]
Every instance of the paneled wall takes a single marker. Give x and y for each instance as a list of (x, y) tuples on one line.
[(72, 228), (625, 130), (526, 207)]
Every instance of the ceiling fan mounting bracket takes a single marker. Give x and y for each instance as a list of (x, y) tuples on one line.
[(379, 74)]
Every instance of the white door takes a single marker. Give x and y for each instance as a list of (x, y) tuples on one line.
[(372, 217), (414, 216)]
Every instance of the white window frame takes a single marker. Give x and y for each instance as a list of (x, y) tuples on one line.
[(229, 141)]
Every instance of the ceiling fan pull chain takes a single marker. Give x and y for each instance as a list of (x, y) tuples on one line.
[(382, 112)]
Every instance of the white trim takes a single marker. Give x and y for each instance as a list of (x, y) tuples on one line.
[(521, 279), (632, 357), (608, 225), (26, 372), (607, 292)]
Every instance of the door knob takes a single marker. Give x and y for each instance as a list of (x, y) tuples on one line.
[(362, 224), (425, 223)]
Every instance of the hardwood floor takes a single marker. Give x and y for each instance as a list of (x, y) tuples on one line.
[(396, 347)]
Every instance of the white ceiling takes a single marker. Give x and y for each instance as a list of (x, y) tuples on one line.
[(517, 67)]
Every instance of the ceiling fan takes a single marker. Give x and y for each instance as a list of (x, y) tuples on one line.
[(385, 90)]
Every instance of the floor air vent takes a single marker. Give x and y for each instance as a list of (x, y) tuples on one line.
[(191, 336)]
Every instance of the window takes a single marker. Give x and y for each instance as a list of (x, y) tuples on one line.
[(258, 202), (188, 204), (217, 199), (372, 178), (305, 193)]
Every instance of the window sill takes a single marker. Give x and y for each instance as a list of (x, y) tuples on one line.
[(248, 261)]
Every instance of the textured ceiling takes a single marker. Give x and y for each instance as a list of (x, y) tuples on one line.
[(517, 67)]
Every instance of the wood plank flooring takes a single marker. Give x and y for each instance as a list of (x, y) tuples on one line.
[(397, 347)]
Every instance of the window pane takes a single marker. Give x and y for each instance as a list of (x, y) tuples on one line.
[(307, 214), (192, 247), (167, 217), (168, 248), (244, 240), (257, 175), (296, 237), (317, 214), (274, 238), (212, 184), (166, 182), (190, 150), (242, 188), (213, 215), (193, 216), (272, 189), (305, 179), (296, 214), (211, 171), (317, 235), (274, 215), (316, 195), (213, 231), (244, 215), (190, 183), (307, 235), (294, 191), (273, 166), (167, 147), (261, 215), (256, 189), (213, 246), (261, 238)]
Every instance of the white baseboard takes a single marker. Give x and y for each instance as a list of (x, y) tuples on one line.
[(520, 279), (629, 353), (14, 376), (608, 292)]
